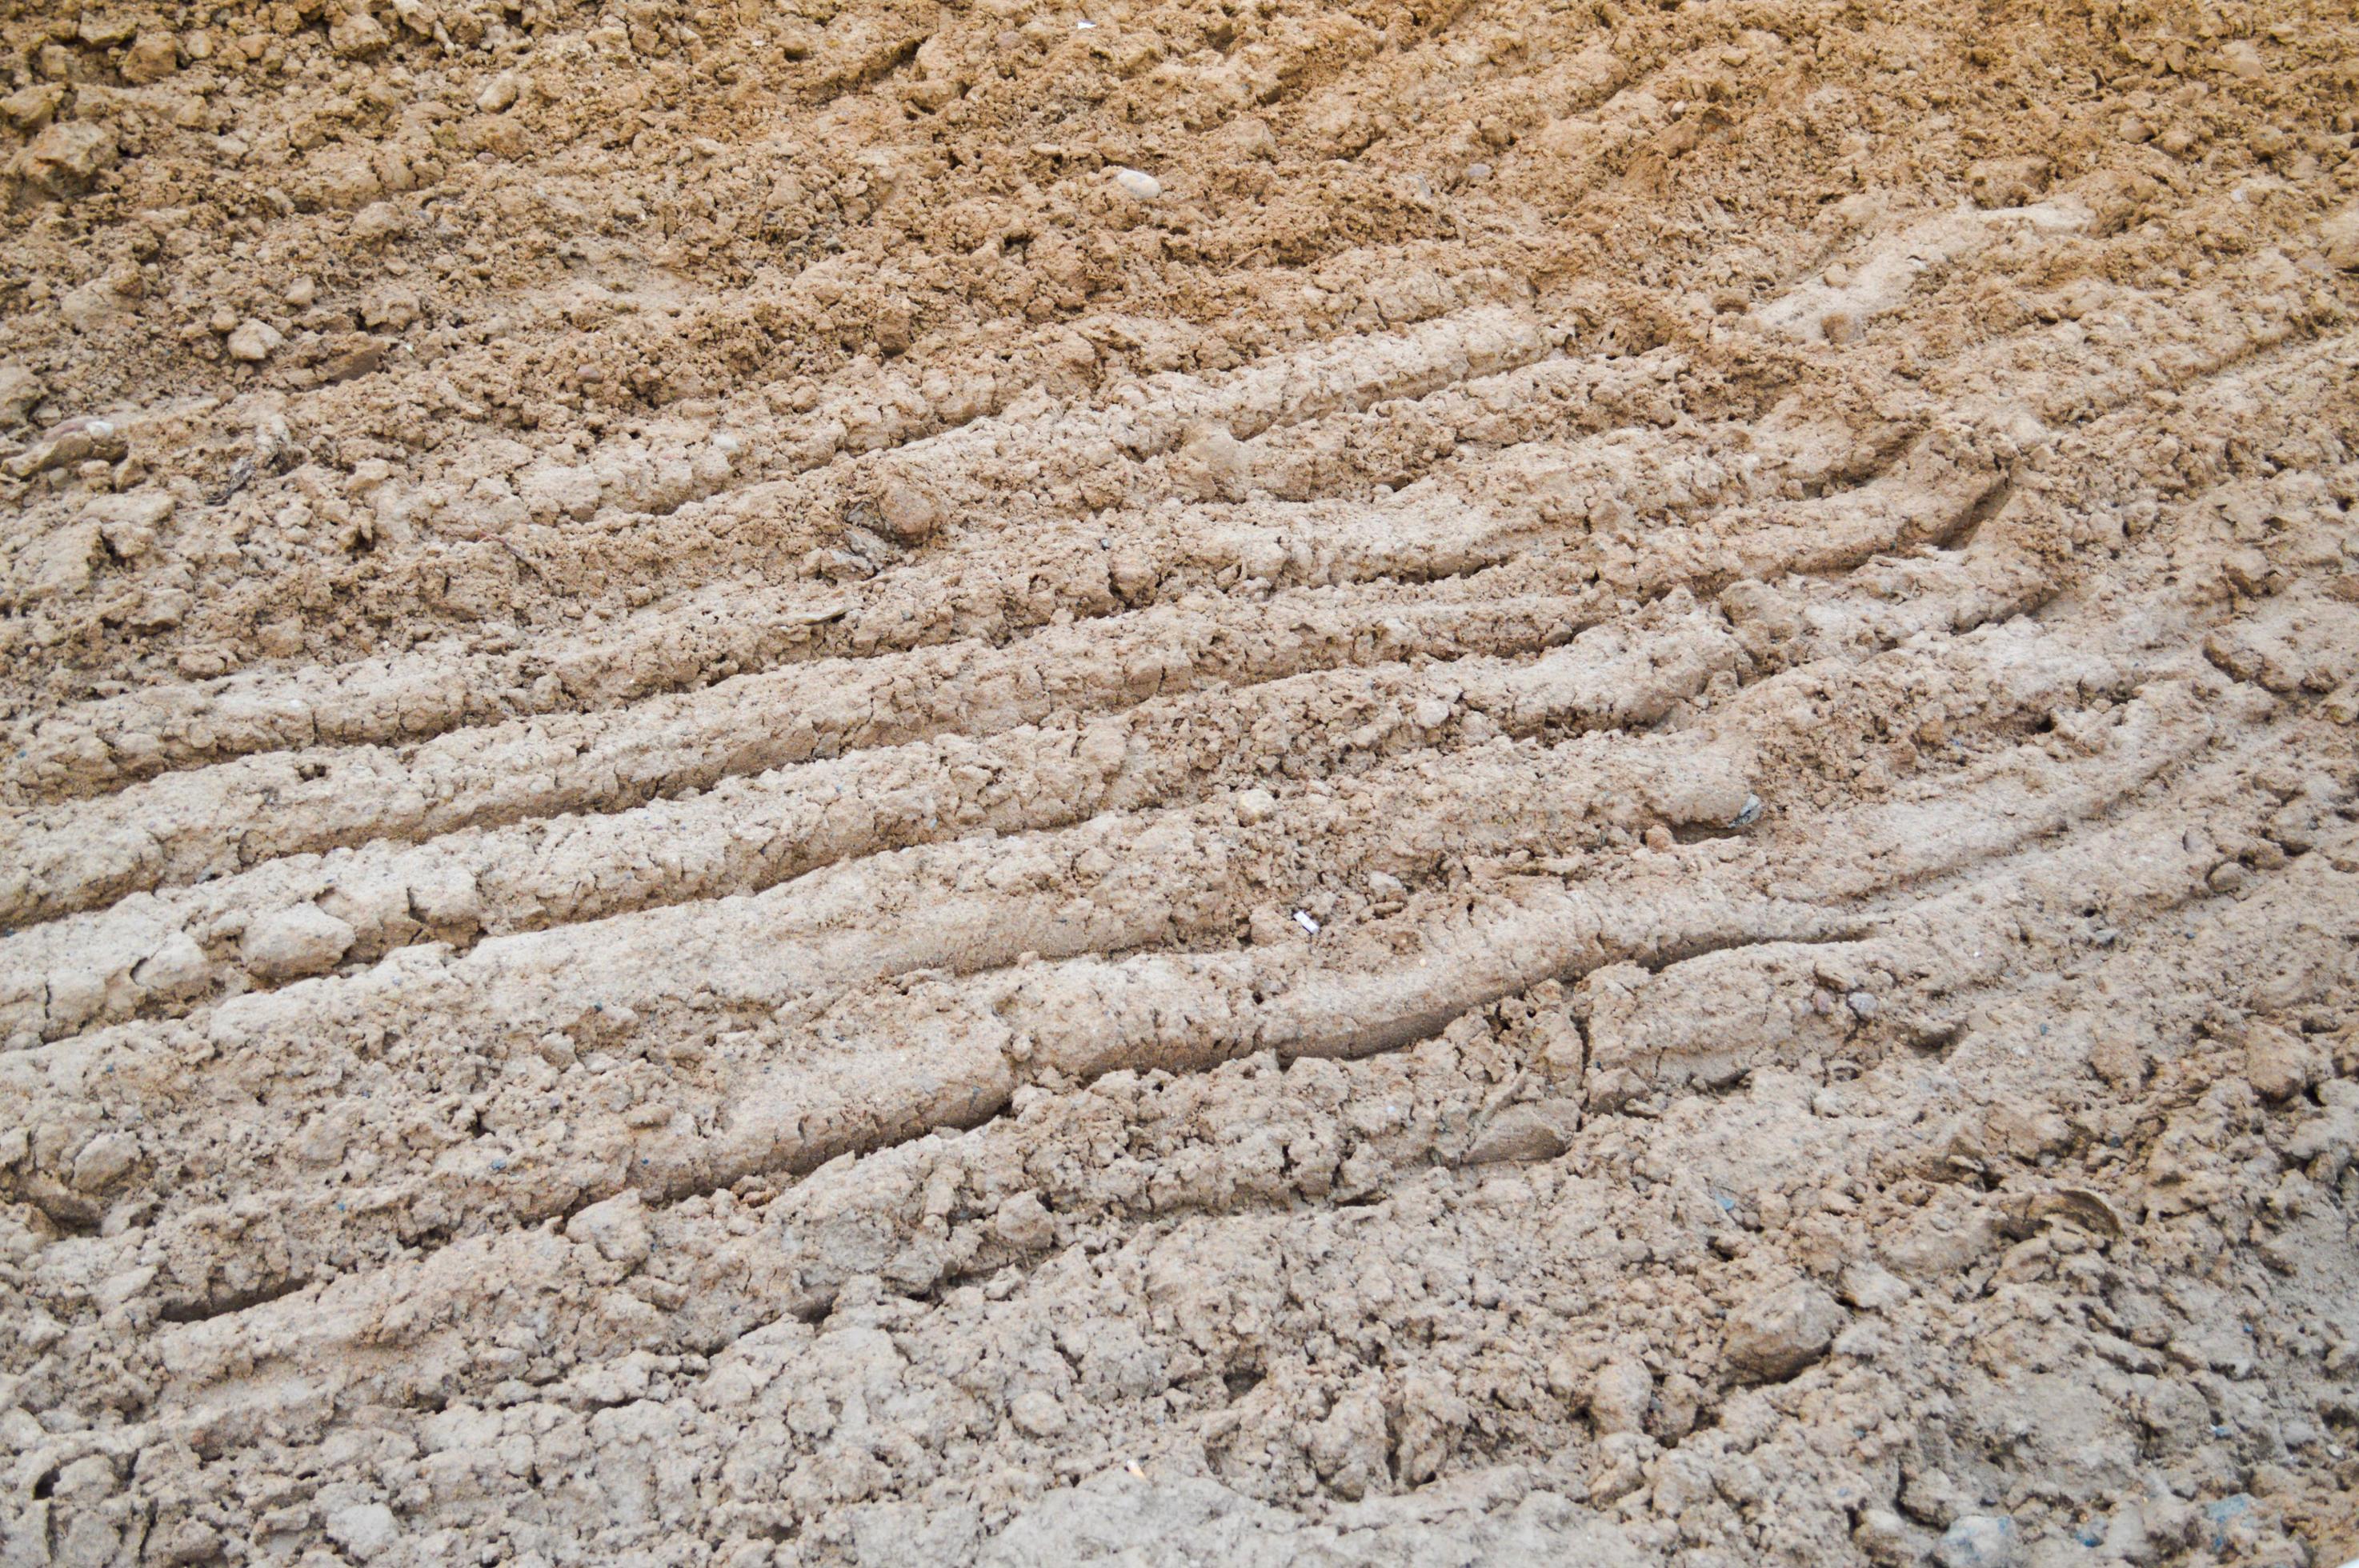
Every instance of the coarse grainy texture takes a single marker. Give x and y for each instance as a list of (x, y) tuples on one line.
[(824, 782)]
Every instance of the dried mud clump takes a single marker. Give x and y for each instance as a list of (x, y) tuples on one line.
[(813, 781)]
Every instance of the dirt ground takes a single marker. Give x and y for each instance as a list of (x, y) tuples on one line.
[(1245, 781)]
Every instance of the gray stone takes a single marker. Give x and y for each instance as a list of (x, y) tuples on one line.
[(103, 1160), (1772, 1336), (908, 515)]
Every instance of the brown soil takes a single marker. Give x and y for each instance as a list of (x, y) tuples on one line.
[(1179, 781)]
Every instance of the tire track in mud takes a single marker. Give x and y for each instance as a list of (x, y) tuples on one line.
[(382, 909), (973, 689), (1088, 942), (1265, 398), (800, 1258), (1092, 665), (782, 824), (2018, 797), (125, 738), (1074, 1021)]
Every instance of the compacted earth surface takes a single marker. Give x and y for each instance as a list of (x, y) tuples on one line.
[(1411, 782)]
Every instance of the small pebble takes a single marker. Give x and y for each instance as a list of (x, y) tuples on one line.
[(1139, 183), (1775, 1335), (254, 341), (909, 515)]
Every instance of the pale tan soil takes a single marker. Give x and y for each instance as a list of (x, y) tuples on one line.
[(1411, 783)]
